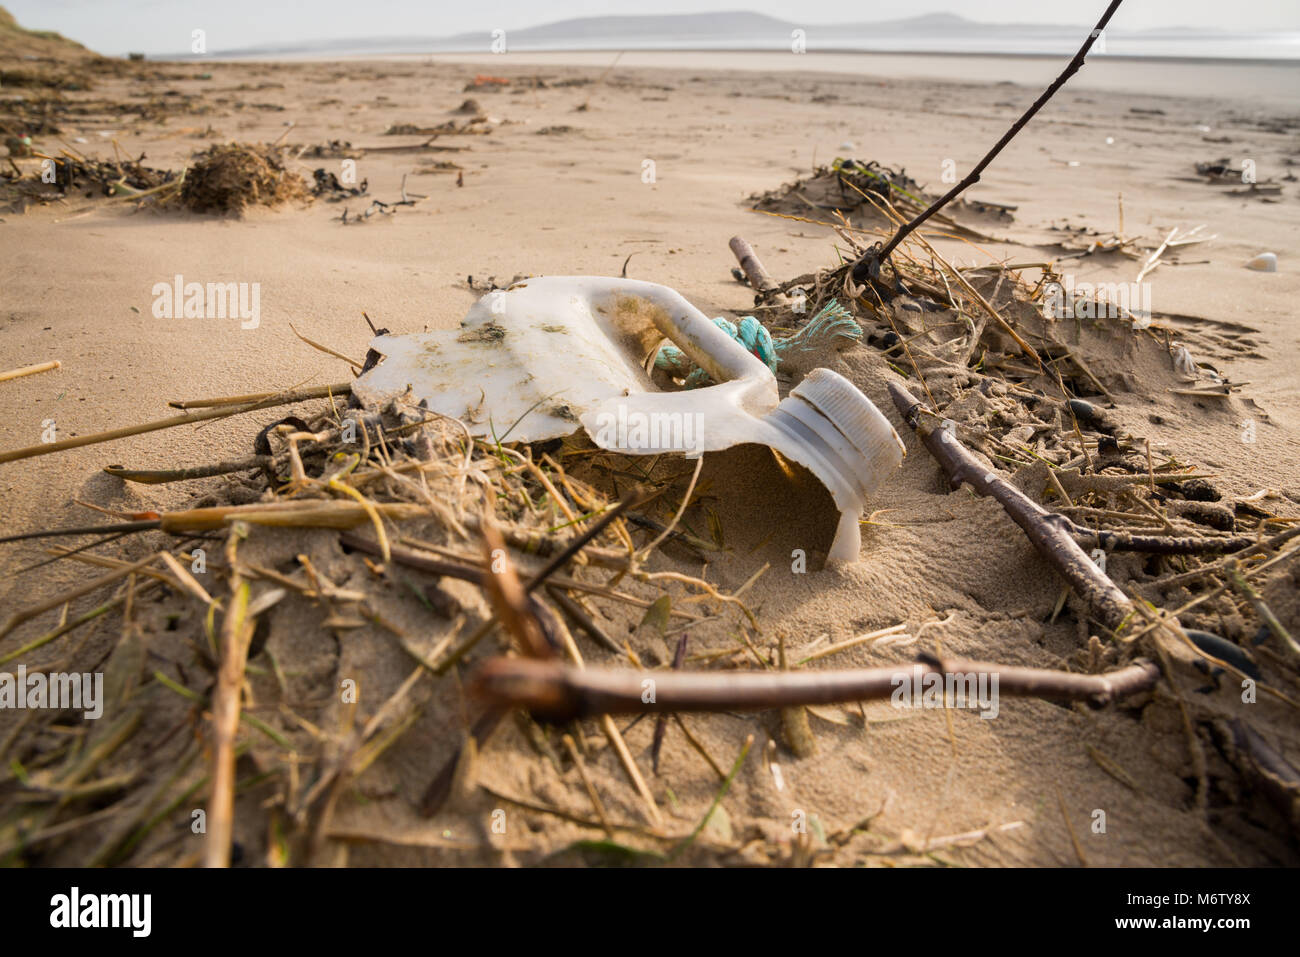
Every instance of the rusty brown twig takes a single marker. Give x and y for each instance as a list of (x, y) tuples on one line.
[(1050, 533), (557, 692), (861, 271)]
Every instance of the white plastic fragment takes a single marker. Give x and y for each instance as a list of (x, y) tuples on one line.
[(550, 355)]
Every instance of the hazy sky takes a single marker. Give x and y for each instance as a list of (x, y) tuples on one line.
[(163, 26)]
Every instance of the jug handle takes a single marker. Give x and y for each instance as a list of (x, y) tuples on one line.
[(721, 356)]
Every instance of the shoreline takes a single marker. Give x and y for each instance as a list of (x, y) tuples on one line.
[(1271, 84), (287, 56), (317, 56)]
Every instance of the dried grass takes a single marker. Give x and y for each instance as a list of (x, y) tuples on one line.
[(231, 177)]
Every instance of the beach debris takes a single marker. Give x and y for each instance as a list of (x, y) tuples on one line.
[(72, 172), (1184, 364), (1264, 262), (231, 177), (469, 107), (1173, 240), (436, 167), (1219, 171), (557, 692), (831, 328), (428, 146), (1062, 543), (486, 82), (549, 355), (1217, 648), (330, 149), (19, 146), (1222, 172), (333, 476), (30, 370), (753, 272), (474, 126), (210, 409), (331, 190), (843, 186), (379, 206)]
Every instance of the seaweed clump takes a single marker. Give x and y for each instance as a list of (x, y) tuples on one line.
[(231, 177)]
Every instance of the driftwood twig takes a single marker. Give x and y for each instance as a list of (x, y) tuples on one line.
[(558, 692), (862, 270)]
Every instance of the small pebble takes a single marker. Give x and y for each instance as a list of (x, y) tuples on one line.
[(1209, 514), (1084, 411), (1224, 650), (890, 342), (1199, 490)]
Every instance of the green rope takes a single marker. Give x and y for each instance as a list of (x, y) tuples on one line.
[(831, 322)]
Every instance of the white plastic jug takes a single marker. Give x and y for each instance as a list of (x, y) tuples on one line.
[(548, 355)]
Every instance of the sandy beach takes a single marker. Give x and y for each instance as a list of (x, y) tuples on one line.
[(555, 184)]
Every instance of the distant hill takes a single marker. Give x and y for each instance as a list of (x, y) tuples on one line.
[(682, 25), (739, 30), (38, 45), (718, 30)]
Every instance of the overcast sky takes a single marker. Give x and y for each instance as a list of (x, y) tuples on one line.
[(157, 26)]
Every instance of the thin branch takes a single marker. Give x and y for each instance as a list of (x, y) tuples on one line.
[(861, 271), (1050, 533), (759, 279), (558, 692)]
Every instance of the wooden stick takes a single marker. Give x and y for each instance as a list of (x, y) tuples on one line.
[(853, 642), (558, 692), (286, 398), (576, 545), (861, 269), (299, 513), (30, 370), (163, 476), (582, 619), (759, 278), (1154, 259), (1049, 533), (661, 723), (339, 388), (1050, 526)]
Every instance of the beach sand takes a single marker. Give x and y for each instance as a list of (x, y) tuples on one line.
[(77, 286)]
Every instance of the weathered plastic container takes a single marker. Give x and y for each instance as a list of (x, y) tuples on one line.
[(550, 355)]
